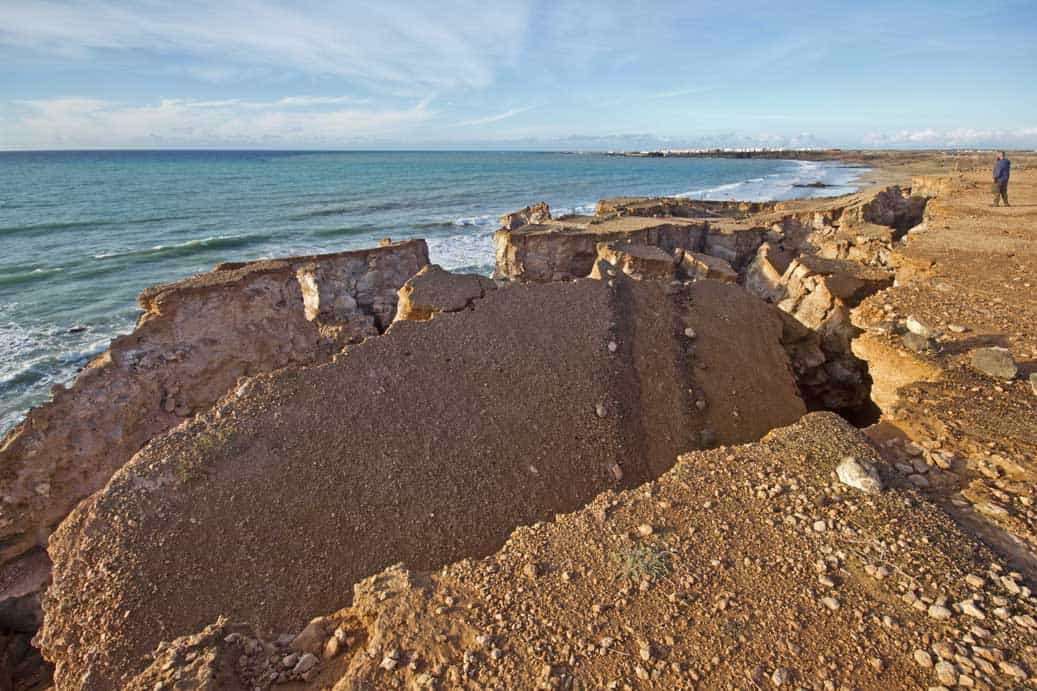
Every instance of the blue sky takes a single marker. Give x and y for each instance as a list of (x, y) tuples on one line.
[(553, 74)]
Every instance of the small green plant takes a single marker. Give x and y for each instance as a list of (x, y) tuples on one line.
[(206, 445), (212, 442), (642, 562)]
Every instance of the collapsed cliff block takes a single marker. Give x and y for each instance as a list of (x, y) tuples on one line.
[(192, 343), (819, 294), (566, 249), (434, 290), (425, 445), (763, 275), (535, 213), (736, 244), (485, 622), (637, 261), (892, 207), (698, 266)]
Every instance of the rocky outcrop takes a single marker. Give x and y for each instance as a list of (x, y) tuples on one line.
[(535, 213), (195, 339), (425, 445), (434, 290), (562, 250)]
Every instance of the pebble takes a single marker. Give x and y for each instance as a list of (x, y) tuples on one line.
[(1013, 670), (939, 612), (919, 327), (781, 676), (946, 673), (859, 475), (830, 602), (613, 347), (969, 607), (305, 664), (819, 526), (923, 659), (601, 410), (644, 530), (689, 332)]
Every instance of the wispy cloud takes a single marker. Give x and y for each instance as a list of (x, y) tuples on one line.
[(493, 118), (677, 93), (291, 121), (390, 43)]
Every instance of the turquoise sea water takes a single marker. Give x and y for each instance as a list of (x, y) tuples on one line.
[(81, 233)]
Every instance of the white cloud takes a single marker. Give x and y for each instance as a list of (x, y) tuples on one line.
[(389, 43), (1023, 137), (493, 118), (291, 121)]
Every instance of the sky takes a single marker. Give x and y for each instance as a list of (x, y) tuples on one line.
[(528, 74)]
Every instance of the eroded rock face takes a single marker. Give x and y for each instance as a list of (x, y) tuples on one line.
[(535, 213), (637, 261), (892, 207), (819, 294), (425, 445), (698, 266), (564, 249), (193, 342)]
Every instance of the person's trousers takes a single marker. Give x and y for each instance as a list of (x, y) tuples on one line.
[(1001, 193)]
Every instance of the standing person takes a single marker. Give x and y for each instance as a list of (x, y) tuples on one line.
[(1002, 167)]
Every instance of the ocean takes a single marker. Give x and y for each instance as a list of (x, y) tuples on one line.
[(82, 233)]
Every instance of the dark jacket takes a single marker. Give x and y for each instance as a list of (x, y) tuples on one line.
[(1001, 170)]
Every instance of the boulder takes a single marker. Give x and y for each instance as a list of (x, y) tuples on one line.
[(434, 290), (697, 266), (994, 362)]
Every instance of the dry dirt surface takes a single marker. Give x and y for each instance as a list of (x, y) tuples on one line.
[(966, 281), (741, 567), (425, 445)]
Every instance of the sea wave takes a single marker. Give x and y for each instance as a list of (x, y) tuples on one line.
[(345, 230), (42, 227), (189, 247), (785, 184), (361, 208), (29, 276)]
